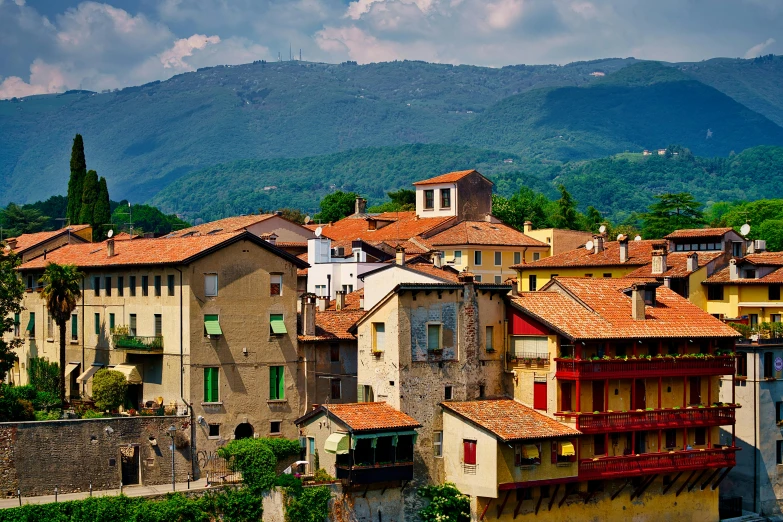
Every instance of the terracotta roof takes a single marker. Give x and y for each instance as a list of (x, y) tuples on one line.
[(723, 276), (639, 253), (124, 236), (27, 241), (366, 416), (351, 300), (402, 226), (149, 251), (483, 233), (419, 264), (698, 232), (676, 265), (593, 308), (764, 258), (509, 420), (450, 177), (333, 325), (222, 226), (302, 271)]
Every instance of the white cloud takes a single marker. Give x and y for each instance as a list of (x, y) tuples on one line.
[(758, 48), (44, 79), (503, 13), (184, 47)]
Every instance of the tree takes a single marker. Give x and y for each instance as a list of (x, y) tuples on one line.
[(525, 205), (18, 220), (294, 215), (76, 181), (108, 389), (593, 219), (11, 292), (401, 201), (336, 206), (671, 212), (89, 197), (102, 211), (61, 292), (147, 218), (567, 216)]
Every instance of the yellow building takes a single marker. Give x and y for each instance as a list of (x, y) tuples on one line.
[(30, 246)]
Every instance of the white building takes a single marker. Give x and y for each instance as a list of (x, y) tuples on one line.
[(334, 268)]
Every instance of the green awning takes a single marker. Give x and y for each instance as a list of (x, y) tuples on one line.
[(375, 436), (212, 325), (277, 324), (337, 444), (31, 323)]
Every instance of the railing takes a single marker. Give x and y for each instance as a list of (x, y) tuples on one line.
[(377, 473), (655, 367), (150, 343), (652, 419), (648, 463)]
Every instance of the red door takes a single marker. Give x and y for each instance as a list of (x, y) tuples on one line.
[(565, 396), (695, 385), (539, 395), (640, 398), (598, 395), (470, 451)]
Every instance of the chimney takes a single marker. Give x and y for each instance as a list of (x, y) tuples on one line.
[(340, 299), (361, 303), (598, 244), (322, 302), (361, 206), (527, 226), (278, 212), (110, 248), (733, 270), (437, 261), (693, 262), (308, 314), (622, 239), (667, 282), (659, 259), (272, 239), (400, 257), (11, 243), (465, 277), (637, 302)]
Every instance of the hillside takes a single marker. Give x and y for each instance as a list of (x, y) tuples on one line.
[(645, 105)]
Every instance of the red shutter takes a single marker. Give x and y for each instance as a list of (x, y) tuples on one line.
[(539, 395), (470, 451)]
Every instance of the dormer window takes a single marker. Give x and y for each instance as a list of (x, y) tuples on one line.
[(750, 273), (649, 296)]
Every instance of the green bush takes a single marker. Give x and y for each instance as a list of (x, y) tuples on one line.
[(45, 399), (48, 415), (447, 504), (309, 504), (92, 414), (44, 375), (108, 389)]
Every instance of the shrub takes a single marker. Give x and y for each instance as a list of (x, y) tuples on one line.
[(44, 375), (108, 389), (447, 504), (45, 399), (48, 415), (254, 460), (92, 414), (307, 504)]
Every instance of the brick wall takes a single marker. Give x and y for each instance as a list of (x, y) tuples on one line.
[(71, 454)]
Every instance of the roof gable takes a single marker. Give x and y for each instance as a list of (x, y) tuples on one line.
[(364, 416), (452, 177)]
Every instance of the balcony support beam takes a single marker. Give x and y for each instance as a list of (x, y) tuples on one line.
[(720, 479), (565, 495), (538, 505), (695, 482), (709, 478), (685, 484), (486, 508), (519, 505), (554, 495), (642, 487), (614, 495), (669, 486), (503, 505)]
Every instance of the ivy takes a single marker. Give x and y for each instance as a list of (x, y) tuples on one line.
[(447, 504), (310, 504), (257, 459)]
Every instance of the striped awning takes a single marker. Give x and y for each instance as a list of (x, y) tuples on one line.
[(89, 373), (337, 444), (277, 324), (212, 325)]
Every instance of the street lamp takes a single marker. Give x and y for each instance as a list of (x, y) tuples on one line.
[(171, 431)]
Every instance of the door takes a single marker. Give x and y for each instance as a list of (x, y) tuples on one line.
[(640, 395), (598, 395), (129, 462), (565, 396), (641, 442), (695, 389), (539, 395)]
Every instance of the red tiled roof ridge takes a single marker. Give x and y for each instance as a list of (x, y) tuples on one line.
[(222, 226), (26, 241), (469, 232), (449, 177), (698, 232), (639, 253), (370, 416)]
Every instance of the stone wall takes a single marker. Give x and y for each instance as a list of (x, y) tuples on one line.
[(71, 454)]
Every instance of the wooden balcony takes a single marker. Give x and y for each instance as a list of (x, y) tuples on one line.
[(592, 423), (603, 468), (376, 473), (644, 368)]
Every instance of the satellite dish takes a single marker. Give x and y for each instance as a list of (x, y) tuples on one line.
[(620, 237), (318, 231), (744, 229), (110, 233), (589, 245), (602, 229), (637, 238), (308, 219)]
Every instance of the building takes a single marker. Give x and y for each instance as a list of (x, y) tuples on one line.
[(558, 239), (637, 370), (334, 269), (206, 322), (30, 246)]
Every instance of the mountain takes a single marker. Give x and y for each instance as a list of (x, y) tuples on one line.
[(645, 105)]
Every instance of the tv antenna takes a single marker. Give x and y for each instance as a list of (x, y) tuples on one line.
[(745, 229)]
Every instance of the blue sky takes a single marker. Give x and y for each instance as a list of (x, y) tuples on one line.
[(54, 45)]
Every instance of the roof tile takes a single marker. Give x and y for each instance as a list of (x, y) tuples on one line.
[(449, 177), (483, 233), (25, 241), (222, 226), (401, 226), (698, 232), (370, 416)]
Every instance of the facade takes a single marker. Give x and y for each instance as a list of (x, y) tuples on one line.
[(30, 246), (334, 269), (206, 322), (559, 240), (465, 195)]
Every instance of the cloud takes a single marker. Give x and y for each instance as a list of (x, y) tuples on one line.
[(503, 13), (184, 47), (44, 79), (758, 48)]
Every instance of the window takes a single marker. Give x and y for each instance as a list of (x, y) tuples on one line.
[(96, 285), (49, 326), (498, 258), (210, 285), (132, 325), (74, 327), (488, 338), (671, 439), (482, 390), (30, 282), (433, 337), (774, 292), (498, 280), (532, 283), (336, 389), (274, 427), (170, 283), (699, 437), (750, 274), (158, 325), (277, 325), (334, 352), (715, 292), (108, 285), (17, 325), (517, 258), (347, 289), (132, 285), (536, 256), (120, 286), (477, 278), (311, 445), (588, 275), (695, 390), (599, 444), (97, 324), (320, 290), (276, 284), (214, 431), (31, 324), (742, 364), (448, 393), (539, 394), (429, 199), (754, 320), (157, 286), (769, 370), (458, 257), (775, 318), (607, 275), (527, 454), (111, 323), (364, 393), (145, 284), (437, 443), (477, 258), (445, 198), (277, 383), (469, 452), (778, 412), (779, 451), (736, 248), (211, 390)]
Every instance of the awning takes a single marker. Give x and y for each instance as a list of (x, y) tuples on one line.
[(530, 451), (130, 371), (566, 449), (71, 366), (89, 373), (337, 444), (212, 325), (31, 323), (277, 324)]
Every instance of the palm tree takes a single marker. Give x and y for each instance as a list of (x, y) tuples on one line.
[(61, 292)]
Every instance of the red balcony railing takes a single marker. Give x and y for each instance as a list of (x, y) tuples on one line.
[(645, 464), (590, 423), (655, 367)]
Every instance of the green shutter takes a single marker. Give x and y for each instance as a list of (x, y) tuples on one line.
[(277, 325), (212, 325), (360, 393), (17, 320), (74, 326), (211, 385), (97, 324), (281, 382), (433, 337), (111, 321), (31, 323), (276, 383), (207, 390)]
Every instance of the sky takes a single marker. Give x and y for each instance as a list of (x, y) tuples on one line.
[(51, 46)]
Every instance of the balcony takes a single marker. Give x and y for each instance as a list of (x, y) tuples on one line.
[(138, 343), (683, 366), (603, 422), (635, 465), (376, 473)]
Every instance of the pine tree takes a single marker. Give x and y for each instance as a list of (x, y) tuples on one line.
[(76, 181), (89, 197), (102, 211)]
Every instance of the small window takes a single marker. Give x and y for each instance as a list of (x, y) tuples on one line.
[(97, 324), (437, 443), (742, 364), (158, 325), (336, 389), (532, 283), (211, 390), (108, 285), (517, 258), (775, 318), (715, 292), (214, 431), (482, 391), (132, 285), (607, 275), (779, 451), (448, 393), (445, 198), (17, 325), (778, 412), (498, 280), (433, 337), (276, 284), (170, 284), (477, 278), (378, 336), (30, 282), (458, 257), (769, 369), (750, 274), (120, 286), (210, 285), (364, 393), (145, 285), (320, 290), (31, 324), (132, 325), (334, 352), (754, 320), (498, 258), (96, 285), (74, 327), (347, 289), (699, 436), (311, 445), (477, 258), (469, 452), (588, 275), (774, 292), (429, 199), (536, 256), (157, 286), (671, 439), (489, 341), (274, 427), (111, 323), (277, 383)]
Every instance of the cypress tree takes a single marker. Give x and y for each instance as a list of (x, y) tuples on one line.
[(89, 197), (102, 212), (76, 181)]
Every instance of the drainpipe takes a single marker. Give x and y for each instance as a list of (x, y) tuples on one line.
[(181, 340), (192, 438), (84, 382), (328, 287), (755, 433)]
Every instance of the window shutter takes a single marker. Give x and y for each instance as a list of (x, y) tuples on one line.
[(360, 393), (74, 326), (433, 337), (207, 386), (470, 452)]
